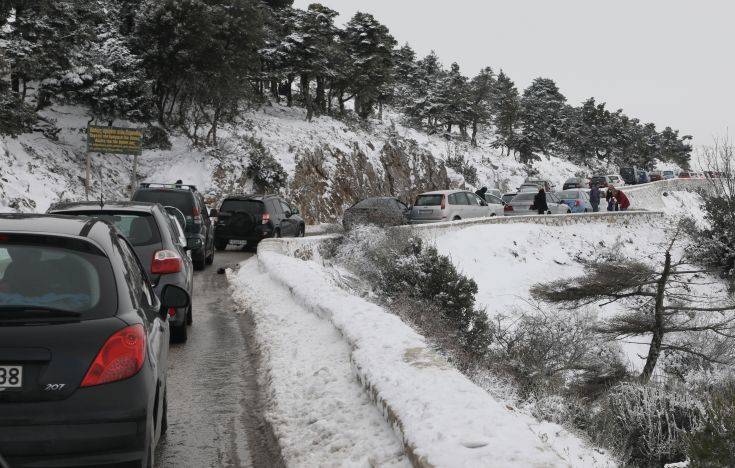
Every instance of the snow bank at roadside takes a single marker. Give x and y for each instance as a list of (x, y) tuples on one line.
[(443, 418), (318, 410)]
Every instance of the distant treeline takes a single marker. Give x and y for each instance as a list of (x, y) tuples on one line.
[(195, 65)]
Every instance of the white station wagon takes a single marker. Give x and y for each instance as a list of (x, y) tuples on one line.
[(448, 205)]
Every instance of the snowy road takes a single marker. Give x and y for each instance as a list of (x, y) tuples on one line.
[(213, 405)]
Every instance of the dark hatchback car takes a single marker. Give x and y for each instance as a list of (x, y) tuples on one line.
[(379, 211), (252, 218), (155, 239), (83, 345), (198, 229), (574, 183)]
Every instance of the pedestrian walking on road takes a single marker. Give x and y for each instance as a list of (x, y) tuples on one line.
[(595, 198), (539, 202), (623, 200)]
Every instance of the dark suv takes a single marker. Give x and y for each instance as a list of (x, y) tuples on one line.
[(252, 218), (84, 345), (154, 235), (190, 202)]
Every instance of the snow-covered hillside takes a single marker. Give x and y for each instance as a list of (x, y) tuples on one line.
[(330, 163)]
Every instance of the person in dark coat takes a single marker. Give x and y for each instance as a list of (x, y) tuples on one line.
[(539, 202), (481, 193), (612, 203), (623, 200), (595, 198)]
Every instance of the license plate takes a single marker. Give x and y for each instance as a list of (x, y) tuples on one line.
[(424, 212), (11, 377)]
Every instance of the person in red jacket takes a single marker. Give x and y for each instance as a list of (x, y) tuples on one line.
[(622, 200)]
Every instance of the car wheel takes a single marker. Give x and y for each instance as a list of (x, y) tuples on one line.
[(569, 211), (179, 333), (164, 414), (277, 234), (198, 257), (302, 231), (456, 218), (221, 244)]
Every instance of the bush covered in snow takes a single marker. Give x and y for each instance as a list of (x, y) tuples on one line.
[(464, 168), (399, 266), (647, 424), (15, 116), (713, 444), (267, 174)]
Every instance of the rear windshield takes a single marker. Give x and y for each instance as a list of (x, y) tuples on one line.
[(524, 196), (44, 280), (180, 199), (568, 195), (242, 206), (140, 229), (429, 200), (668, 172)]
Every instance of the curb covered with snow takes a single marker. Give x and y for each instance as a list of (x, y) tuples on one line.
[(441, 416)]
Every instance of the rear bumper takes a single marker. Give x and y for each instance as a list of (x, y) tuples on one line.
[(94, 426), (258, 233)]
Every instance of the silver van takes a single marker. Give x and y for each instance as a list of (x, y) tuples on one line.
[(448, 205)]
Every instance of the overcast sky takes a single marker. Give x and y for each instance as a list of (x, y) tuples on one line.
[(670, 62)]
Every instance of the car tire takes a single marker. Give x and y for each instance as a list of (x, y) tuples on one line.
[(277, 234), (456, 218), (179, 333), (221, 244), (164, 414), (569, 211), (302, 231), (198, 257)]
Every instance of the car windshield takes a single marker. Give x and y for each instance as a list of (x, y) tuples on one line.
[(428, 200), (46, 280), (569, 195), (524, 197), (140, 229), (253, 207), (181, 199)]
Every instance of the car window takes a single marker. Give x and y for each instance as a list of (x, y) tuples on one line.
[(472, 199), (202, 206), (183, 200), (398, 205), (429, 200), (137, 277), (177, 230), (286, 209), (368, 203), (52, 275), (253, 207), (140, 229), (550, 197), (508, 197), (493, 200)]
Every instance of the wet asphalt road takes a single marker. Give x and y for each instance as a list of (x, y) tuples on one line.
[(214, 411)]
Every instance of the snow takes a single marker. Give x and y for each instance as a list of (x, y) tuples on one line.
[(443, 418), (320, 413)]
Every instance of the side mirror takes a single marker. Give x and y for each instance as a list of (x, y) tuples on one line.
[(213, 213), (173, 297)]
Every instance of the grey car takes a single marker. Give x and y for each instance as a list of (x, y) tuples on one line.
[(156, 240), (522, 204), (379, 211), (448, 205)]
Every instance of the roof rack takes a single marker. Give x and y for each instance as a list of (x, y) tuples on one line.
[(162, 185)]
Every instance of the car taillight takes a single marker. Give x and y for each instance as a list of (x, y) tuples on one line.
[(120, 358), (196, 215), (266, 218), (171, 312), (166, 262), (507, 208), (444, 202)]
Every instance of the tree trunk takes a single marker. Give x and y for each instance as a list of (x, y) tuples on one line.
[(321, 105), (274, 90), (306, 96), (474, 134), (289, 91), (654, 351), (341, 100)]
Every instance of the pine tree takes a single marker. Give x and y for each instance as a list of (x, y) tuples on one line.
[(481, 93), (370, 48), (540, 115), (506, 106)]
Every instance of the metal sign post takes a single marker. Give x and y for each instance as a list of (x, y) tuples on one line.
[(115, 140), (86, 178)]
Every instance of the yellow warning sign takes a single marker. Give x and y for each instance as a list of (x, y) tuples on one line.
[(114, 140)]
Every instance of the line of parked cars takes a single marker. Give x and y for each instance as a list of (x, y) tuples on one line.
[(90, 296)]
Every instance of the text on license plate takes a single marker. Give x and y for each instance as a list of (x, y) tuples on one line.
[(11, 377)]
